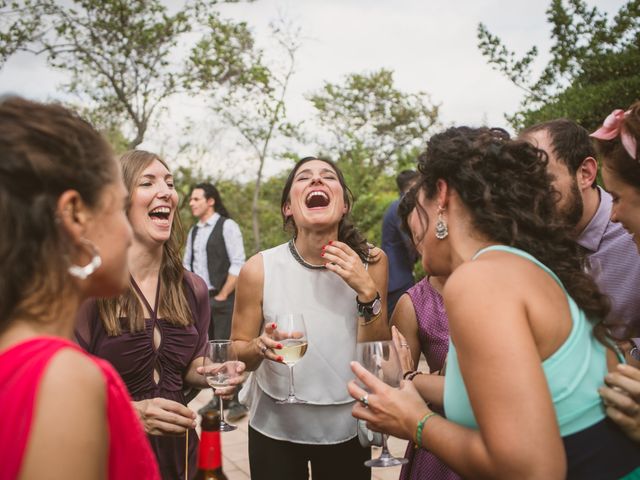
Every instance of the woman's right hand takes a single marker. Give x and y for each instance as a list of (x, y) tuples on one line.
[(160, 416), (267, 343)]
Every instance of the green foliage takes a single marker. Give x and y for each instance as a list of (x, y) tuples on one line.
[(237, 197), (121, 55), (377, 130), (592, 70), (16, 28), (367, 113), (257, 111)]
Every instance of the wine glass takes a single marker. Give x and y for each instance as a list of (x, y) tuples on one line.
[(292, 334), (222, 355), (382, 360)]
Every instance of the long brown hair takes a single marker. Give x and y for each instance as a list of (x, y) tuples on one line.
[(45, 149), (172, 299)]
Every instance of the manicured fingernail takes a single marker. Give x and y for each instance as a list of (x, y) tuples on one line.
[(330, 242), (322, 254), (280, 358), (273, 325), (279, 346)]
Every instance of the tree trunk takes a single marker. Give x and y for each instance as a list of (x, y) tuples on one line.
[(255, 208)]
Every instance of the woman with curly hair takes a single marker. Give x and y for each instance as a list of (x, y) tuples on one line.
[(330, 274), (524, 364)]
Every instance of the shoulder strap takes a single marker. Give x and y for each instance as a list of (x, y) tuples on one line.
[(523, 254)]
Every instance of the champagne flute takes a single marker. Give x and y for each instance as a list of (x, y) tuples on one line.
[(292, 334), (223, 356), (382, 360)]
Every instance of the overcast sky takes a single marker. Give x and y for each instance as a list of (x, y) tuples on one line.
[(431, 45)]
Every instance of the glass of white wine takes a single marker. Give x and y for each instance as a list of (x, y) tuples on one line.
[(292, 334), (221, 365), (381, 358)]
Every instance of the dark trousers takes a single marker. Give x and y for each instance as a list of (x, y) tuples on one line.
[(221, 315), (271, 459)]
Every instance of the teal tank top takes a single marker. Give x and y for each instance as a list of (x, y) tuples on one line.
[(574, 372)]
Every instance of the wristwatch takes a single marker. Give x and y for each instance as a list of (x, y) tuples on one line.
[(370, 309), (634, 353)]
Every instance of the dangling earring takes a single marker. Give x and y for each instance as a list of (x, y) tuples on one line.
[(442, 231), (84, 272)]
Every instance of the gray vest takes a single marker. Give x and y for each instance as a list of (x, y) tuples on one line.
[(217, 258)]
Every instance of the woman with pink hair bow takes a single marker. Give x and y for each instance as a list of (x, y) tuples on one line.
[(617, 145)]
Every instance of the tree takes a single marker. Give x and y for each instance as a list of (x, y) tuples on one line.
[(123, 55), (592, 70), (374, 129), (257, 111), (367, 113)]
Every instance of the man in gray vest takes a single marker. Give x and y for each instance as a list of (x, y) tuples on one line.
[(215, 252)]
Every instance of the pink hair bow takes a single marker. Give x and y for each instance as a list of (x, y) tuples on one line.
[(612, 127)]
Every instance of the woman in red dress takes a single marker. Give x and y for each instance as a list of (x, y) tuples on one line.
[(64, 238)]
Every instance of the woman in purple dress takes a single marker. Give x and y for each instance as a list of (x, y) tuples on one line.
[(155, 334), (422, 327)]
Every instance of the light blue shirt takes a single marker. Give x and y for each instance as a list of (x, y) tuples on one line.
[(232, 241)]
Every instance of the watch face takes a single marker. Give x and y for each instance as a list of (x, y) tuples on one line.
[(376, 307)]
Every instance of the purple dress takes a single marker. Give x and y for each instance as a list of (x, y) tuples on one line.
[(135, 357), (433, 330)]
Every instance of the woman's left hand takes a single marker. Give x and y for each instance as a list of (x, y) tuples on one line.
[(343, 261), (234, 381), (388, 410)]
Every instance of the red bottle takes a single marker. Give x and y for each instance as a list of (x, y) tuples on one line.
[(210, 452)]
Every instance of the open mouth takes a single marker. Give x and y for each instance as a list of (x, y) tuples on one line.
[(317, 199), (160, 214)]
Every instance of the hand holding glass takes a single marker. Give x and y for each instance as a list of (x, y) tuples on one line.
[(292, 334), (382, 360), (220, 368)]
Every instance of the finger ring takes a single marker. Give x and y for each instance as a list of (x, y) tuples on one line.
[(263, 349), (404, 345), (365, 400)]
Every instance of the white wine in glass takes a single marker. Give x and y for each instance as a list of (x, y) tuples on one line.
[(220, 366), (291, 332), (382, 360)]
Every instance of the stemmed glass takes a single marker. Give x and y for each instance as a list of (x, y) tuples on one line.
[(292, 334), (382, 360), (223, 356)]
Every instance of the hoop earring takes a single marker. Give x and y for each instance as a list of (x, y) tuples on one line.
[(442, 230), (84, 272)]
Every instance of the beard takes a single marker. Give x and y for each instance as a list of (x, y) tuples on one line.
[(571, 211)]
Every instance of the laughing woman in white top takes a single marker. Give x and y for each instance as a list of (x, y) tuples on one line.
[(330, 274)]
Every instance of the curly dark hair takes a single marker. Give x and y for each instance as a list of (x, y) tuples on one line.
[(505, 186), (613, 155), (347, 231)]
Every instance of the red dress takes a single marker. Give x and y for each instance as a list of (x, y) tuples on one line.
[(21, 370)]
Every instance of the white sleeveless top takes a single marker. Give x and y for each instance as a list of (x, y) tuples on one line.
[(328, 305)]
